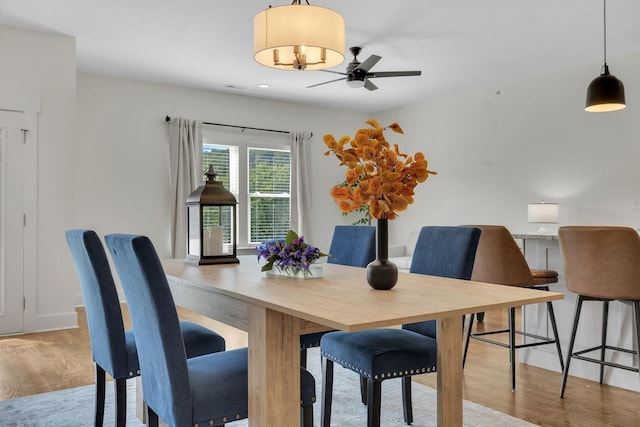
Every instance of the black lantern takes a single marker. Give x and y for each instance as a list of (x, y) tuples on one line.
[(211, 223)]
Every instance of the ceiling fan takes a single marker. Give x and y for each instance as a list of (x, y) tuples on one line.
[(358, 74)]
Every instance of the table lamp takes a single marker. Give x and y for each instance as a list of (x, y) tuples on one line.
[(542, 213)]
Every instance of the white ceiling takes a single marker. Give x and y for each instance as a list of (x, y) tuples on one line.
[(208, 44)]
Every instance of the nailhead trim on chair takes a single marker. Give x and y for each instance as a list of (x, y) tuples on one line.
[(368, 375), (224, 420), (405, 373)]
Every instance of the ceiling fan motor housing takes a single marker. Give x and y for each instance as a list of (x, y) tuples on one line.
[(356, 79)]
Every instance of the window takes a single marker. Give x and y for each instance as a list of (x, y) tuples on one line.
[(257, 170), (269, 193)]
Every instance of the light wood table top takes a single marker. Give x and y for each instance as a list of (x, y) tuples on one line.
[(276, 310)]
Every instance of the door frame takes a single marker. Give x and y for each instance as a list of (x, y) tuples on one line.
[(31, 107)]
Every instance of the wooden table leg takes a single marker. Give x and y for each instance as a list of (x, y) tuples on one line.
[(274, 368), (449, 371)]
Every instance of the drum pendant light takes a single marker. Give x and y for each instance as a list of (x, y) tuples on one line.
[(298, 37), (605, 92)]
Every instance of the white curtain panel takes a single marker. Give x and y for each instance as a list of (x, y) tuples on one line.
[(300, 188), (185, 144)]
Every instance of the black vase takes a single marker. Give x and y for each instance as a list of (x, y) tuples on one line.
[(382, 274)]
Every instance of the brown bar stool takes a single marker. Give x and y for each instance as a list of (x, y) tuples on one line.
[(601, 264), (500, 261)]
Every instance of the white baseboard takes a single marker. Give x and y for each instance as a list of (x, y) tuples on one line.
[(56, 322)]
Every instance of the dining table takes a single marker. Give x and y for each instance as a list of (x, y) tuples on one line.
[(275, 310)]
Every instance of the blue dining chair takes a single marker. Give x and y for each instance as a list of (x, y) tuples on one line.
[(381, 354), (444, 252), (112, 347), (208, 390), (353, 245)]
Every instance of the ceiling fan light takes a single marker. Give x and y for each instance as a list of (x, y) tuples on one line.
[(605, 93), (355, 82), (298, 37)]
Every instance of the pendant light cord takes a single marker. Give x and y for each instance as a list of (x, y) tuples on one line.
[(604, 14)]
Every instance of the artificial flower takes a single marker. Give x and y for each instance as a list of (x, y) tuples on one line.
[(289, 254), (378, 176)]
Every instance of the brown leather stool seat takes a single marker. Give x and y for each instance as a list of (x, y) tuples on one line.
[(601, 264), (544, 277), (500, 261)]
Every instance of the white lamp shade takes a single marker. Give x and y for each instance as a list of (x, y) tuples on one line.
[(543, 212), (308, 28)]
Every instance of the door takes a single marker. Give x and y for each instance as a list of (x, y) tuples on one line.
[(11, 222)]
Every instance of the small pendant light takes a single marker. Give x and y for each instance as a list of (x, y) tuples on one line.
[(605, 92)]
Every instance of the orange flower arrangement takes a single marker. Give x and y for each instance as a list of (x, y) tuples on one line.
[(377, 175)]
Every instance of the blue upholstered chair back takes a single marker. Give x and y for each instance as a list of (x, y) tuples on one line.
[(102, 306), (163, 361), (446, 251), (353, 245)]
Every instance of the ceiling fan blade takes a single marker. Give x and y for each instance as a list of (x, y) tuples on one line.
[(324, 83), (368, 84), (393, 74), (368, 63), (334, 72)]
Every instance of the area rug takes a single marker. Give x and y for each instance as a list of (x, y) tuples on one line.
[(74, 407)]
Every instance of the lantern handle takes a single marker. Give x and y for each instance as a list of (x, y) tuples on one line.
[(210, 173)]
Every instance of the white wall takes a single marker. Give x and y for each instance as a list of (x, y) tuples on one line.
[(122, 159), (42, 67), (497, 148)]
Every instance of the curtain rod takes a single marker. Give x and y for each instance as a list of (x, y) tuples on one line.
[(238, 127)]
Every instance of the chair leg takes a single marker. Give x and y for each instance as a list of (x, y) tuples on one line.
[(512, 346), (466, 343), (363, 389), (481, 316), (303, 358), (121, 402), (407, 406), (306, 416), (100, 385), (572, 340), (374, 392), (636, 317), (327, 392), (603, 341), (152, 417), (554, 328)]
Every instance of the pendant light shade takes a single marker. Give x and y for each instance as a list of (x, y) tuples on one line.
[(298, 37), (605, 92)]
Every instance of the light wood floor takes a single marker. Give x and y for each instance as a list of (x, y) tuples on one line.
[(37, 363)]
